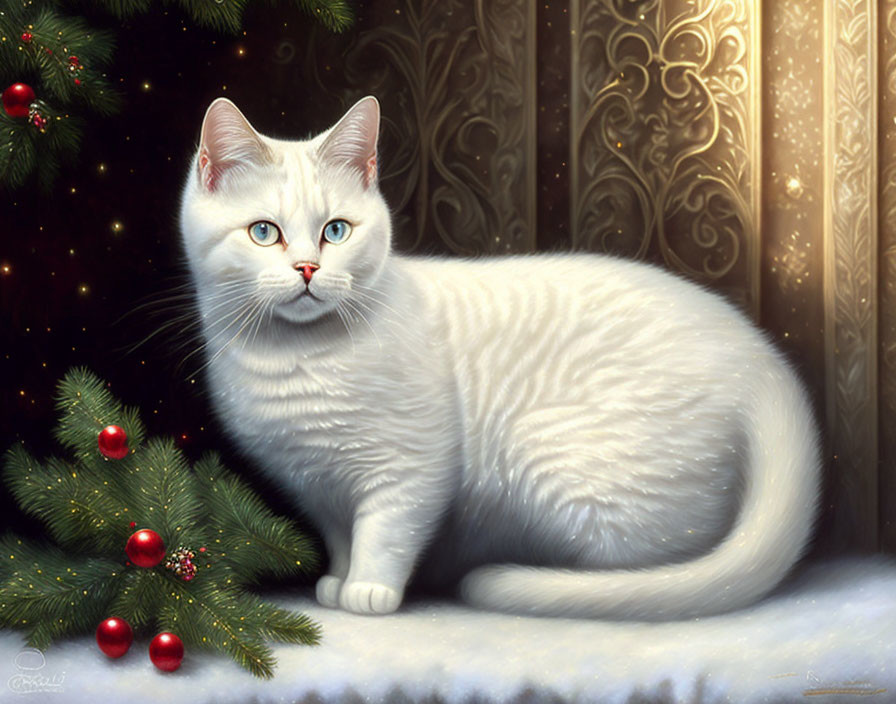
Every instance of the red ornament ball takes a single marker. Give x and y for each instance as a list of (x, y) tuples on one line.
[(113, 442), (114, 636), (166, 652), (145, 548), (27, 37), (17, 98)]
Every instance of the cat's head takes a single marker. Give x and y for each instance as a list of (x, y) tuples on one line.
[(289, 229)]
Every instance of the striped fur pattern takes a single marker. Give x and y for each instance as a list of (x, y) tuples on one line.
[(565, 434)]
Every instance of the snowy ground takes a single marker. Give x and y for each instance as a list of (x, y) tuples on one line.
[(828, 636)]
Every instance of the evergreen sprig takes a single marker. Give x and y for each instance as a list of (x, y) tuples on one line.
[(89, 504), (256, 541)]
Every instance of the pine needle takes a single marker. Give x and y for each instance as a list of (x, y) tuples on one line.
[(254, 542)]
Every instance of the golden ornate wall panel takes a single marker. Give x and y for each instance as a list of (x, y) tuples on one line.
[(792, 163), (887, 283), (850, 253), (664, 145), (457, 78)]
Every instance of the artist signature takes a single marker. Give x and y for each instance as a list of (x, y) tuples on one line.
[(28, 680), (819, 688)]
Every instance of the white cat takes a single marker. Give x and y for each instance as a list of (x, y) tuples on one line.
[(620, 441)]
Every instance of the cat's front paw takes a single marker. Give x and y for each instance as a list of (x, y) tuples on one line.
[(327, 591), (369, 598)]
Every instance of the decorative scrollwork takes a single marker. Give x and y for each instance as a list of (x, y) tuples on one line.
[(459, 120), (663, 115), (851, 267)]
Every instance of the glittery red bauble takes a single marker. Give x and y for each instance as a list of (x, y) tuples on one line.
[(17, 98), (114, 636), (113, 442), (27, 37), (166, 651), (145, 548)]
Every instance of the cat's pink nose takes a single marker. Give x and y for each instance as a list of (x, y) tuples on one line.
[(307, 270)]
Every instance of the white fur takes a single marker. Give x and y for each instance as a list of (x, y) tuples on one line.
[(627, 432)]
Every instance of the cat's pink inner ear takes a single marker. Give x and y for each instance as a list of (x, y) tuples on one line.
[(228, 142), (352, 141)]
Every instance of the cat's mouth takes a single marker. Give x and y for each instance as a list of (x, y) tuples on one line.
[(305, 294)]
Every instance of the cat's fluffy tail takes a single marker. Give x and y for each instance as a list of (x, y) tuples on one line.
[(773, 528)]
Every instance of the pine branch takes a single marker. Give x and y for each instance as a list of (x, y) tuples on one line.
[(86, 407), (252, 540), (335, 15), (55, 39), (167, 496), (18, 155), (209, 617), (140, 593), (48, 593), (126, 8), (281, 624), (225, 16), (75, 503)]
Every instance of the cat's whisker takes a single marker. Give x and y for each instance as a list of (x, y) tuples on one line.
[(355, 306), (369, 292), (376, 307), (259, 319), (362, 294), (340, 311), (250, 319), (237, 316), (178, 298), (159, 304), (182, 322), (411, 331), (217, 305)]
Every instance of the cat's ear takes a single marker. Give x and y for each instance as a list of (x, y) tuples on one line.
[(228, 142), (352, 141)]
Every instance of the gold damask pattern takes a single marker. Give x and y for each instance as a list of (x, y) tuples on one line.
[(850, 287), (664, 136), (459, 78)]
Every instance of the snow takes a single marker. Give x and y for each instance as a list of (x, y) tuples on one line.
[(830, 630)]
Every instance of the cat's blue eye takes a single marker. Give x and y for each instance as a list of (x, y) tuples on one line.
[(337, 231), (264, 233)]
